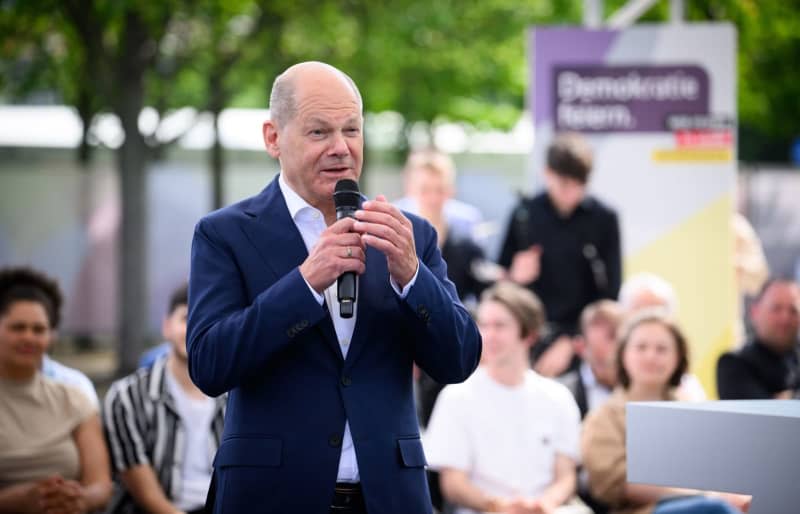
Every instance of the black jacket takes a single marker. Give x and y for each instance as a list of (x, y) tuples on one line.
[(756, 372)]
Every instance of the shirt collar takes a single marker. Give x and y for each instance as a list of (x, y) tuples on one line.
[(294, 201)]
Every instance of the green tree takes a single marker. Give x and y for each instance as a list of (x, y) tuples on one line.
[(100, 55), (768, 55)]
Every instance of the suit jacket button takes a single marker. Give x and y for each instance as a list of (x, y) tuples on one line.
[(346, 381), (335, 440)]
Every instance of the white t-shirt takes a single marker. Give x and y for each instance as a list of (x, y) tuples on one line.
[(196, 415), (505, 438)]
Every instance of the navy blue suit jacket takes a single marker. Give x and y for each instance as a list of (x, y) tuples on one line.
[(256, 331)]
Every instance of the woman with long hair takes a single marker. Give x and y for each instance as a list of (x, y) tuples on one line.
[(652, 356)]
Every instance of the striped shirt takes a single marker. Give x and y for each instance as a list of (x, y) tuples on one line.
[(142, 426)]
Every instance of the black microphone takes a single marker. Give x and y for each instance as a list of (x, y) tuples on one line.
[(347, 199)]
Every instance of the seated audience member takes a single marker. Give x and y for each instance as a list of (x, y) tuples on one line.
[(767, 366), (591, 384), (652, 356), (163, 431), (644, 290), (506, 440), (53, 458), (462, 218)]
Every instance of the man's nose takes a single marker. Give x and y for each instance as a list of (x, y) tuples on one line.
[(28, 335), (339, 145)]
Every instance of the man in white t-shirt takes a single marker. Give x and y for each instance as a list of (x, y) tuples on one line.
[(507, 439)]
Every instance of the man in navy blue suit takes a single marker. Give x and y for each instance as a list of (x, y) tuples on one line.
[(321, 414)]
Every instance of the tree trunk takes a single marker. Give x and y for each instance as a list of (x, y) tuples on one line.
[(132, 159), (132, 321), (84, 340), (217, 167), (216, 102)]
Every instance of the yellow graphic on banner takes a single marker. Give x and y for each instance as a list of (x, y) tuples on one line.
[(696, 257), (692, 155)]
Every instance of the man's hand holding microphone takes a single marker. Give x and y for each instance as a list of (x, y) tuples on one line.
[(341, 249)]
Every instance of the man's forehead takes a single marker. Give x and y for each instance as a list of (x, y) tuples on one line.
[(324, 83), (326, 117), (783, 291)]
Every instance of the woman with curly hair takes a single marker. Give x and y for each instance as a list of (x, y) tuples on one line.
[(53, 457)]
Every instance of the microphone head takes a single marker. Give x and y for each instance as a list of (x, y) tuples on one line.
[(346, 194)]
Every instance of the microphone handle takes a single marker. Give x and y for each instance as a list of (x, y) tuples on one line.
[(347, 283), (346, 212), (346, 287)]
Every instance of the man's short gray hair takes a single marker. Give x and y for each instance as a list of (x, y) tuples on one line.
[(642, 283), (282, 104)]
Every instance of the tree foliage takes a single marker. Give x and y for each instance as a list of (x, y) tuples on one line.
[(459, 60), (768, 59)]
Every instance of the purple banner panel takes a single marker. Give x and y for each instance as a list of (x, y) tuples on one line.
[(598, 98)]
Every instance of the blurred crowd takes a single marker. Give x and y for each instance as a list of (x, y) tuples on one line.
[(538, 428)]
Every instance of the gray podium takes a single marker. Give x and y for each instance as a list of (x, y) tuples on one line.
[(746, 447)]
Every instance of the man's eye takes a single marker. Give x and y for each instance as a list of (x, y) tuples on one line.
[(352, 130)]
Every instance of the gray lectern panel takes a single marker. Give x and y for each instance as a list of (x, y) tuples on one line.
[(747, 447)]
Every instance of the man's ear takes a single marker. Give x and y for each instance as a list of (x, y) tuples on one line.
[(579, 345), (270, 132)]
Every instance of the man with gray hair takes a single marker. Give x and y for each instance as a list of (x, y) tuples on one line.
[(647, 289), (321, 415)]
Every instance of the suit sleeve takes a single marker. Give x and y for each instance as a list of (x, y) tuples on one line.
[(735, 380), (226, 339), (445, 339)]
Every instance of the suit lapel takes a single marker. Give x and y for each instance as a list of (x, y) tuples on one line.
[(273, 232)]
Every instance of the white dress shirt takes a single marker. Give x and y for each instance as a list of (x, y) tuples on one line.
[(310, 222), (596, 393)]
